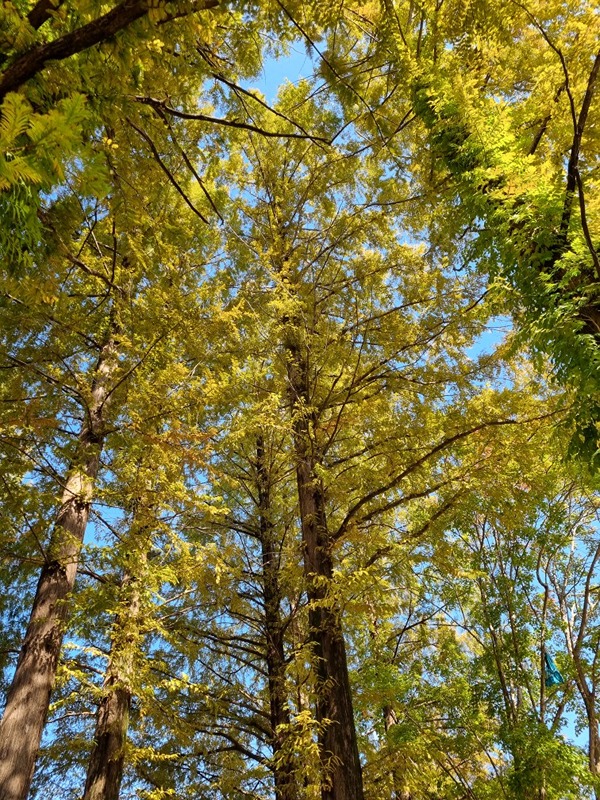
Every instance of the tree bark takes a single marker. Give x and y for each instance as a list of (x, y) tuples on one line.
[(283, 774), (593, 739), (107, 759), (341, 768), (98, 30), (29, 695)]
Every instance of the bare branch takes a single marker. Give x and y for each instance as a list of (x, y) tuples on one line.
[(166, 170), (397, 480), (161, 106)]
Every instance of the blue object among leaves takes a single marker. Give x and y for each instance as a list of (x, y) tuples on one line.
[(553, 676)]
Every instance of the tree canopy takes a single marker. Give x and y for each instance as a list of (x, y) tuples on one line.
[(299, 401)]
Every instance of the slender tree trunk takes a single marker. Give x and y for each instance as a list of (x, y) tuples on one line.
[(105, 768), (593, 739), (586, 685), (107, 759), (342, 773), (285, 781), (29, 695), (401, 792), (588, 695)]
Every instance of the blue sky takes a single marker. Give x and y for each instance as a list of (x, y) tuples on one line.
[(276, 71)]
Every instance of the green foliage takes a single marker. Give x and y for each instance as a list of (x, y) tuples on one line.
[(517, 186)]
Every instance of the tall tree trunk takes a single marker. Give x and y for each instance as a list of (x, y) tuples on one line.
[(586, 682), (341, 768), (285, 781), (401, 792), (107, 759), (593, 739), (29, 695), (588, 695)]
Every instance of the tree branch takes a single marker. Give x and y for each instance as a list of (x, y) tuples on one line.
[(98, 30), (397, 480), (161, 106), (42, 11), (166, 170)]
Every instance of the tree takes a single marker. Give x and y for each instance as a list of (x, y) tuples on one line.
[(500, 93), (41, 135), (503, 97), (29, 694), (112, 266), (322, 541), (343, 333), (567, 577)]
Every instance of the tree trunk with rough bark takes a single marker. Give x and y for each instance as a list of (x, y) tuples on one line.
[(341, 768), (29, 695), (285, 781), (107, 759)]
